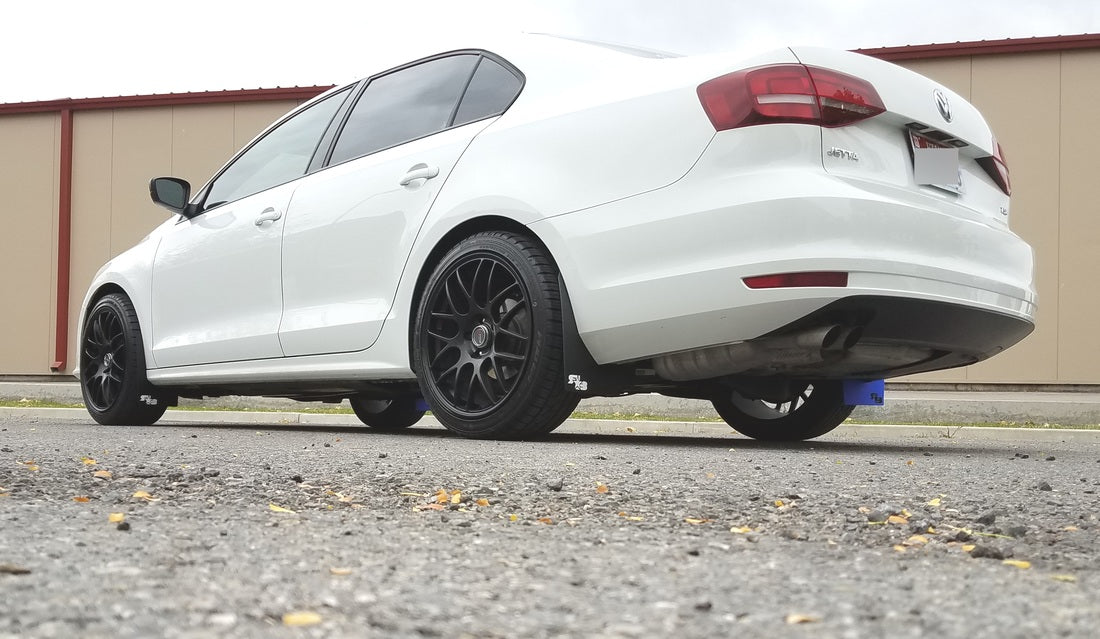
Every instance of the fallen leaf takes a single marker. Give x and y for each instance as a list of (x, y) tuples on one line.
[(8, 569), (81, 499), (798, 618), (630, 429), (634, 518), (512, 517), (339, 572), (916, 540), (442, 496), (711, 475), (88, 461), (601, 488), (141, 494), (896, 519), (779, 503), (116, 518), (1017, 563), (934, 502), (694, 521), (1070, 529), (482, 502), (32, 467), (899, 548), (413, 495), (456, 497), (545, 520), (1069, 579), (301, 618), (102, 474), (423, 507), (279, 509), (741, 530), (864, 510), (968, 547), (909, 463)]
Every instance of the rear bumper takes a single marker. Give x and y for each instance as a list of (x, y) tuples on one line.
[(662, 272)]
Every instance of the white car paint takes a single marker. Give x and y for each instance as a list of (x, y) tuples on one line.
[(652, 217)]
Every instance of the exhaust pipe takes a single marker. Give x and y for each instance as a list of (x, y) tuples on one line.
[(827, 343)]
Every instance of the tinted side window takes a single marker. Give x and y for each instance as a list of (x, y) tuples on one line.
[(491, 92), (403, 106), (280, 156)]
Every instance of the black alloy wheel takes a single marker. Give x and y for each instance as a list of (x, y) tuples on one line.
[(488, 339), (112, 366), (386, 414), (813, 410)]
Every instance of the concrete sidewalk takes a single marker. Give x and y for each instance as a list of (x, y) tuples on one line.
[(902, 407)]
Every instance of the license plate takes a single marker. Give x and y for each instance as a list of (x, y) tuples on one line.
[(935, 164)]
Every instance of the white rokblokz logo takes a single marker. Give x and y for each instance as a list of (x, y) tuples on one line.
[(942, 104)]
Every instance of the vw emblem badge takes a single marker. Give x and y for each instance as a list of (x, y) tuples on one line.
[(942, 104)]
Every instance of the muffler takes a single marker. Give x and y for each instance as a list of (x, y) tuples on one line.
[(763, 355)]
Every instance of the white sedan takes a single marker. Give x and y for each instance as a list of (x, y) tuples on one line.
[(493, 234)]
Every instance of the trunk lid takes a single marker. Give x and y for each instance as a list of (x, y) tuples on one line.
[(930, 141)]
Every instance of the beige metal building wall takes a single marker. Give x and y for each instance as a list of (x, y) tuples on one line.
[(1043, 108), (115, 153), (28, 231)]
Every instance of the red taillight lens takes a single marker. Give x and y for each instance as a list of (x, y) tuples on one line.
[(997, 167), (1001, 163), (793, 280), (788, 93)]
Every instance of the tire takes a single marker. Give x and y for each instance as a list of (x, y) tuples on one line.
[(112, 366), (815, 410), (487, 342), (386, 414)]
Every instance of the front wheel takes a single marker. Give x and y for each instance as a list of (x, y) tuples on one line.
[(112, 366), (813, 410), (487, 343)]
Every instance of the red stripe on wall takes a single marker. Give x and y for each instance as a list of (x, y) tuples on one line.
[(64, 242)]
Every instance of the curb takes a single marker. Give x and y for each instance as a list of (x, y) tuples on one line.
[(590, 426)]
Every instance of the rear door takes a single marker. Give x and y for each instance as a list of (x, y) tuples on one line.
[(351, 225)]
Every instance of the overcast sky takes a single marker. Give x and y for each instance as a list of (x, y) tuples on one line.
[(83, 48)]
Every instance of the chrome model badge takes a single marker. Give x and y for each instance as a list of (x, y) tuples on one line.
[(942, 104)]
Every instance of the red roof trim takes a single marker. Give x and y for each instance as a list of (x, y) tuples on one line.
[(164, 99), (986, 47)]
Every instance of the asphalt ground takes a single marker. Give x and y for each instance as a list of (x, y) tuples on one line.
[(244, 529)]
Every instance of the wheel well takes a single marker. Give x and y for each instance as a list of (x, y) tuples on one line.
[(447, 242), (104, 291)]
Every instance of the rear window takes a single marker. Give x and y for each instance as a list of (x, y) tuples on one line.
[(404, 105), (491, 91)]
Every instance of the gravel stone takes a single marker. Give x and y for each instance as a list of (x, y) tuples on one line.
[(987, 518)]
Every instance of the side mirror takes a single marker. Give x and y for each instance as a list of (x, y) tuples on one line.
[(171, 193)]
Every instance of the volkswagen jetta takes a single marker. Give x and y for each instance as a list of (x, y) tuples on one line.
[(493, 234)]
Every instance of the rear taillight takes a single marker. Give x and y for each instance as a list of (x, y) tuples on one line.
[(788, 93), (997, 167)]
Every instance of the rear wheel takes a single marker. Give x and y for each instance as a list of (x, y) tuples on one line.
[(386, 414), (112, 366), (813, 410), (487, 345)]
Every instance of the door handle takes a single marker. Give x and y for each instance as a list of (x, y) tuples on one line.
[(419, 172), (269, 215)]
